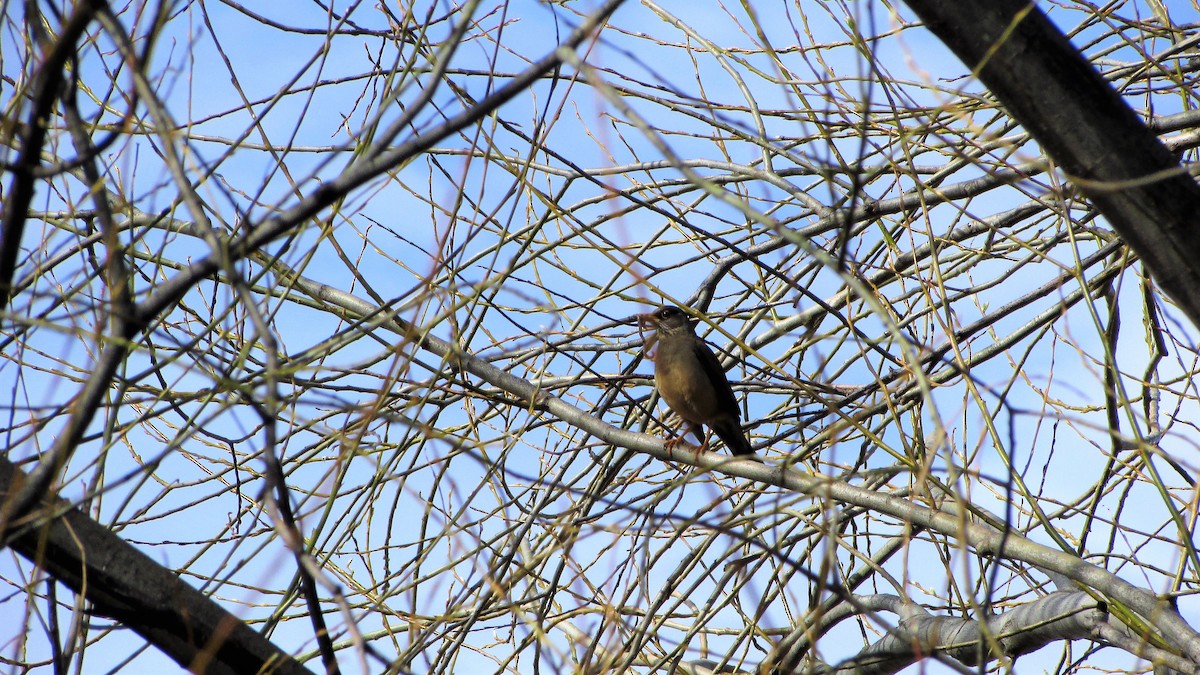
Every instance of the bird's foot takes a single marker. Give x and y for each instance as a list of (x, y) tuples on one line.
[(672, 443)]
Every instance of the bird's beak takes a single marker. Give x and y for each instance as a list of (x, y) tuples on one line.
[(643, 320)]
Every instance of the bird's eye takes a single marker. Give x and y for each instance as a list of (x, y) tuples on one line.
[(664, 312)]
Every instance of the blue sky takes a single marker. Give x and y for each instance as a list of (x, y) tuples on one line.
[(363, 477)]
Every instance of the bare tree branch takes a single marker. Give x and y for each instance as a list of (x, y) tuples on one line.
[(124, 585), (324, 311)]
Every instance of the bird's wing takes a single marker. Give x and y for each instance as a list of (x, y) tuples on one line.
[(716, 375)]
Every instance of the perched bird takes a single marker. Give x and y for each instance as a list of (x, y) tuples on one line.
[(690, 379)]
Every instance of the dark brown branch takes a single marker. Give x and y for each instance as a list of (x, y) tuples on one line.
[(125, 585), (1085, 127), (47, 90)]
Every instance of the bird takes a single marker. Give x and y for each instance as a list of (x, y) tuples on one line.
[(690, 379)]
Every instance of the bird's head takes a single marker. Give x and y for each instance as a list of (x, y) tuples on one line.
[(667, 320)]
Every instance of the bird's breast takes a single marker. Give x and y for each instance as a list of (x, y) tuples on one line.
[(684, 383)]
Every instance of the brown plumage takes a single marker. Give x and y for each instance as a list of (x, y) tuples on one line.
[(690, 379)]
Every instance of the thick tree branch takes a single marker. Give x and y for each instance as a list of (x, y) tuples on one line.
[(976, 533), (124, 584), (1084, 125)]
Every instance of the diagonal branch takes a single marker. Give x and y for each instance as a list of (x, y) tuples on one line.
[(1085, 126), (126, 585)]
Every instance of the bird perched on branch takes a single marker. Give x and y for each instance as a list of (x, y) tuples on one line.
[(690, 379)]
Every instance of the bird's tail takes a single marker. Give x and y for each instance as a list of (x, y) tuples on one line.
[(734, 438)]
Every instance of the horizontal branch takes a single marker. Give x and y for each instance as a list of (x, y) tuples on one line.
[(949, 521)]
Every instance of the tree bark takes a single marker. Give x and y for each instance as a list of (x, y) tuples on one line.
[(1082, 123), (125, 585)]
